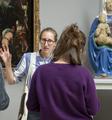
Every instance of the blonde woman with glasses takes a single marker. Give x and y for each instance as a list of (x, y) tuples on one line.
[(48, 39)]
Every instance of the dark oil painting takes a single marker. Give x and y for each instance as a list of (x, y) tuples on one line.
[(17, 16)]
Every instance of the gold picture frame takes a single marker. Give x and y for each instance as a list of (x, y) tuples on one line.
[(36, 25)]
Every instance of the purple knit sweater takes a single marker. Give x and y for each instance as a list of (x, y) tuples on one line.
[(63, 92)]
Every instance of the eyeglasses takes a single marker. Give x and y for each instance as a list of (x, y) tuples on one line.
[(49, 41)]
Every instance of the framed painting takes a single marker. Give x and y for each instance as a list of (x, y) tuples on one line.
[(19, 26)]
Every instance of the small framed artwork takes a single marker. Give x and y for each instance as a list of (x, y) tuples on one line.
[(19, 26)]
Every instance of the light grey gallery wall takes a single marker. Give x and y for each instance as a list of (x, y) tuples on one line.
[(59, 13), (14, 92)]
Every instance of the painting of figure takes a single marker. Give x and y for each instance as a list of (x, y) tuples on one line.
[(16, 18)]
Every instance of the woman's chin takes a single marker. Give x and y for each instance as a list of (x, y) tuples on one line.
[(45, 52)]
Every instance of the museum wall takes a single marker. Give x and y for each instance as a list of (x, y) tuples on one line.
[(59, 13)]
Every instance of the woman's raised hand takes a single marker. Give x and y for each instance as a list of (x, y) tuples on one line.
[(5, 55)]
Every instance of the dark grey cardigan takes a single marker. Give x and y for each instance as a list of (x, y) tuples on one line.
[(4, 98)]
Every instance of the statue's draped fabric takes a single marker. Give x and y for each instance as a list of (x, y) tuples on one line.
[(100, 57)]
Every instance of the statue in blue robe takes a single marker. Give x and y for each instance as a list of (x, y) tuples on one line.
[(100, 57)]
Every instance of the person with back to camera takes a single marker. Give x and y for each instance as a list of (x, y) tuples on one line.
[(30, 61), (64, 89)]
